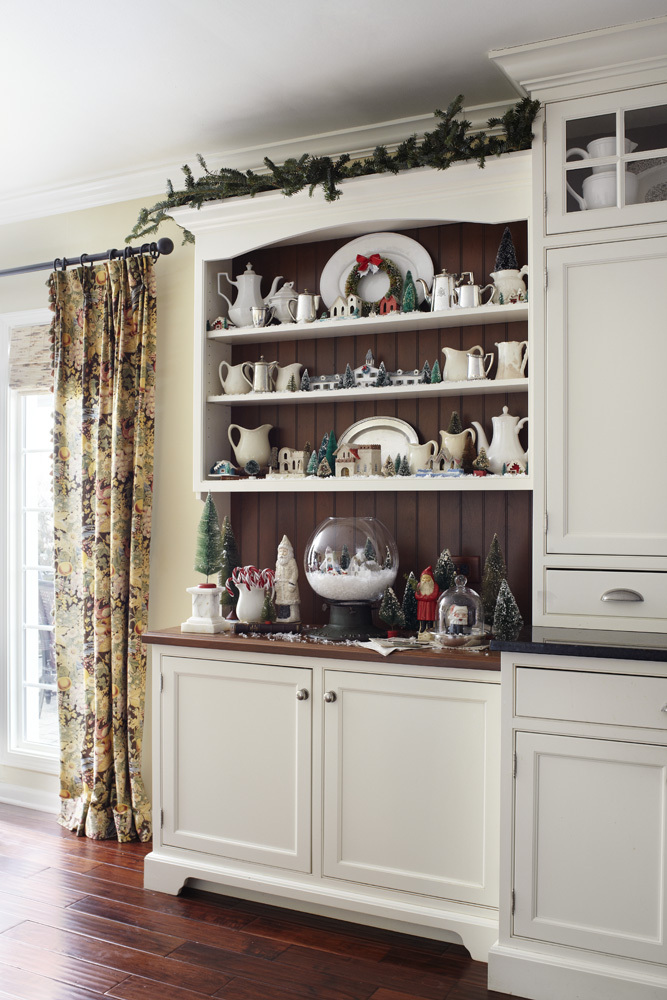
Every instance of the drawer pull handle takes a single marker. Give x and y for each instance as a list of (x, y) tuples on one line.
[(329, 696), (302, 695), (620, 594)]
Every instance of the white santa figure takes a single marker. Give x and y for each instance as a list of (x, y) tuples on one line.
[(287, 600)]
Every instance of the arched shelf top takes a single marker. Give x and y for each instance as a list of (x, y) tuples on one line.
[(497, 193)]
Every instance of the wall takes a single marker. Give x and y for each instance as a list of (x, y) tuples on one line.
[(176, 510)]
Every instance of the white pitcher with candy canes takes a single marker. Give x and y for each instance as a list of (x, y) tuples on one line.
[(252, 585)]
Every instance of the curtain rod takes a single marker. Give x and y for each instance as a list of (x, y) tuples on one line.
[(163, 246)]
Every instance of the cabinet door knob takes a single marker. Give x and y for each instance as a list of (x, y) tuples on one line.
[(664, 708), (621, 594), (302, 695), (329, 695)]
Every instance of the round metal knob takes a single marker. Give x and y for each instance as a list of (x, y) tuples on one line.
[(302, 695), (329, 695)]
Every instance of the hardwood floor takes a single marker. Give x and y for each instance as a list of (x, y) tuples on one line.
[(76, 924)]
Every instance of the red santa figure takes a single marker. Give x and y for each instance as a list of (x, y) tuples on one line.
[(427, 594)]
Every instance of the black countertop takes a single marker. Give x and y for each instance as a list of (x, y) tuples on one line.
[(587, 642)]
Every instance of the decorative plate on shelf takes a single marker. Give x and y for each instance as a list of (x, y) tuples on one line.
[(393, 435), (406, 254)]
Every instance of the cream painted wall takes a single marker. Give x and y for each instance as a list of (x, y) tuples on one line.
[(176, 510)]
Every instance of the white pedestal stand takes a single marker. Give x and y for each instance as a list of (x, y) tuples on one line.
[(206, 615)]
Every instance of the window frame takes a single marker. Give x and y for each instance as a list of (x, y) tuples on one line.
[(14, 751)]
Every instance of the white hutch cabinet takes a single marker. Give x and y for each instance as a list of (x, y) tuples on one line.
[(355, 788)]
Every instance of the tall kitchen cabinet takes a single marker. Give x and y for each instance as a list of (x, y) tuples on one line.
[(600, 359)]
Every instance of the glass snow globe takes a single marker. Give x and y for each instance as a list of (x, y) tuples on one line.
[(350, 562), (460, 615)]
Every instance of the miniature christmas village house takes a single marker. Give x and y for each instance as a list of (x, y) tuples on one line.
[(290, 462), (364, 460), (388, 305), (342, 308)]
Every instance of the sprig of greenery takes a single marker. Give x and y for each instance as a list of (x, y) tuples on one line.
[(450, 141)]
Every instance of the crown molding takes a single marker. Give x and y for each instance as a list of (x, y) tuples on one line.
[(150, 181), (593, 62)]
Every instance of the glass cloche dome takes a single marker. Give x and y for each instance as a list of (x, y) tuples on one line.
[(460, 615), (350, 562)]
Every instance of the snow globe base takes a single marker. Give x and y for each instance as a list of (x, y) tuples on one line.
[(349, 621)]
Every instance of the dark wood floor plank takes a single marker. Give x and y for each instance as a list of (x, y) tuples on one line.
[(61, 968), (136, 988), (101, 928), (426, 984), (326, 939), (22, 985), (244, 989), (116, 873), (129, 961), (20, 866), (53, 858), (182, 927), (309, 983), (41, 889)]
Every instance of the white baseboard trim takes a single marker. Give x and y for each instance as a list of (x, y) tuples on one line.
[(29, 798), (546, 977)]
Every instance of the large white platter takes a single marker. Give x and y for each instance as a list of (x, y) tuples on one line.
[(393, 435), (407, 255)]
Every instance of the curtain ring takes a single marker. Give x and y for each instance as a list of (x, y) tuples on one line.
[(127, 252), (55, 263), (82, 260), (64, 264), (112, 254), (154, 252)]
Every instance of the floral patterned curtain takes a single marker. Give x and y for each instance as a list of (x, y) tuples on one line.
[(104, 360)]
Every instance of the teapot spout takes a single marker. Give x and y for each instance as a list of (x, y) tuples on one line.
[(272, 290), (481, 437), (427, 294)]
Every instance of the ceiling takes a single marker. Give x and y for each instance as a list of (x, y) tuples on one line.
[(128, 91)]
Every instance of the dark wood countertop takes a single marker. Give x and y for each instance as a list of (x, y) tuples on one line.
[(487, 660)]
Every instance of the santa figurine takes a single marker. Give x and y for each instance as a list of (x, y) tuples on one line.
[(287, 600), (427, 594)]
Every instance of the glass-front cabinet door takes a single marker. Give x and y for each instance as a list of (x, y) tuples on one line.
[(606, 160)]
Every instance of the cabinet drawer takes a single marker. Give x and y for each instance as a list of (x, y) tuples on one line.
[(580, 696), (605, 593)]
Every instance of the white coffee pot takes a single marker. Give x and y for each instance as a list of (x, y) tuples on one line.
[(248, 295), (505, 449), (233, 378), (511, 363)]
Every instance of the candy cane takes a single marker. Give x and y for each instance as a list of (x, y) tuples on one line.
[(250, 576)]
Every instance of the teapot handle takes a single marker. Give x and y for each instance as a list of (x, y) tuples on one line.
[(524, 343), (524, 420), (251, 367)]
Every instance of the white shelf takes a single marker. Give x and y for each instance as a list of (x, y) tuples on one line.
[(477, 387), (366, 484), (511, 313)]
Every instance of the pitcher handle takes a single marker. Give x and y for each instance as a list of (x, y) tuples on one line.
[(289, 309), (222, 381), (488, 367), (478, 348), (473, 432), (488, 301), (577, 197), (435, 448), (247, 364), (583, 153), (524, 343), (522, 422), (233, 427)]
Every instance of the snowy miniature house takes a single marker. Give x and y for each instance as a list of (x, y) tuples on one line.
[(346, 460), (370, 460), (388, 305), (354, 304), (339, 308), (290, 462)]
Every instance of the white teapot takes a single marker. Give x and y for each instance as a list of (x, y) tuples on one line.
[(505, 449), (247, 285), (280, 302)]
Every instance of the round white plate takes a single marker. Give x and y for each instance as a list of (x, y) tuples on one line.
[(393, 435), (407, 255)]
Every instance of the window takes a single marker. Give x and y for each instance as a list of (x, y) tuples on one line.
[(30, 721)]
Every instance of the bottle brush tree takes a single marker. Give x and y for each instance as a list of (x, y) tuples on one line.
[(305, 381), (506, 256), (311, 470), (390, 610), (410, 603), (291, 385), (435, 373), (425, 377), (397, 463), (229, 561), (208, 555), (268, 609), (507, 620), (495, 571), (332, 444), (344, 557), (389, 469), (404, 467), (324, 469), (349, 381), (409, 301), (370, 555), (455, 426), (444, 570)]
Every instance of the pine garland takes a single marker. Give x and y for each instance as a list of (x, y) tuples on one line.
[(450, 141)]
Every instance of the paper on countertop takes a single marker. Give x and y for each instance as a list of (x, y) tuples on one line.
[(379, 647)]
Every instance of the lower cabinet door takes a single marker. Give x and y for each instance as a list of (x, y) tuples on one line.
[(411, 784), (589, 852), (236, 759)]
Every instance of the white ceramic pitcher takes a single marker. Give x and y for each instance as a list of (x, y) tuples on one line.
[(253, 443), (420, 456), (456, 363), (453, 445), (235, 382), (511, 364), (282, 375)]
